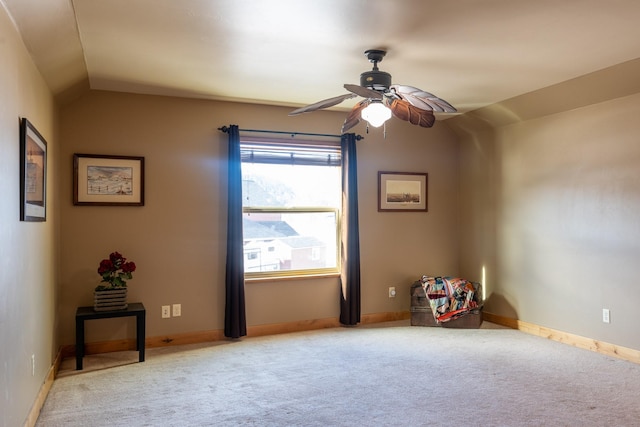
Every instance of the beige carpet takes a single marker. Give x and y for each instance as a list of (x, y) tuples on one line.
[(387, 375)]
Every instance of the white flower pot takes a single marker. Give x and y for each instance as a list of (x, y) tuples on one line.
[(110, 299)]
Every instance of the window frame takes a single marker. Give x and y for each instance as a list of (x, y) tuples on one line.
[(337, 211)]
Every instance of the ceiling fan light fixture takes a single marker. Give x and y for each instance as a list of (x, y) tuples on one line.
[(376, 113)]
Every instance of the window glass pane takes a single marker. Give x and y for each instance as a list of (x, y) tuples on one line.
[(284, 241), (269, 185)]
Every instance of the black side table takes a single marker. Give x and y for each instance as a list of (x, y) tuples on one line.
[(88, 313)]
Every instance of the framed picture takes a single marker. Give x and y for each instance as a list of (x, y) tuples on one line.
[(101, 180), (402, 191), (33, 173)]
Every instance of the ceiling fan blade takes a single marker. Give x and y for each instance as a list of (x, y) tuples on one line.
[(364, 92), (421, 99), (354, 116), (405, 111), (326, 103)]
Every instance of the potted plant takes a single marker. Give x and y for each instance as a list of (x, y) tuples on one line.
[(111, 293)]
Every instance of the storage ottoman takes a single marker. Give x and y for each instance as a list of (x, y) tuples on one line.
[(422, 315)]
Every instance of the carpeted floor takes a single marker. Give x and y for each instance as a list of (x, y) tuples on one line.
[(380, 375)]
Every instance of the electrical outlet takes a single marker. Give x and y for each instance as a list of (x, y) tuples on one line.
[(33, 365), (166, 311), (177, 310), (392, 291), (605, 315)]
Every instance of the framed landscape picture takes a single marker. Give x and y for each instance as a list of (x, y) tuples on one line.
[(33, 173), (402, 191), (102, 180)]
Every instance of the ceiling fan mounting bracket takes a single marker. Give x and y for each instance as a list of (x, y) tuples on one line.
[(375, 79), (375, 55)]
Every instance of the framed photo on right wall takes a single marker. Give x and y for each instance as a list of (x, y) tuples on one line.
[(402, 192)]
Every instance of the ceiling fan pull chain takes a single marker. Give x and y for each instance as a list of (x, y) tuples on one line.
[(384, 130)]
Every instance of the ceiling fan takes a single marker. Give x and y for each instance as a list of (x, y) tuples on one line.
[(382, 100)]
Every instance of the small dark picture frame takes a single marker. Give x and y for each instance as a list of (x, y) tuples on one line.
[(104, 180), (402, 192), (33, 173)]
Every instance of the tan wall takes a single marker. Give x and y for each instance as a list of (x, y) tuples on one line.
[(569, 232), (27, 249), (178, 238), (555, 201)]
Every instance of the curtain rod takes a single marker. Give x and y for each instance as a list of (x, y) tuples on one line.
[(225, 129)]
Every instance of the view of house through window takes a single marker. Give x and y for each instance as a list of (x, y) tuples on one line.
[(291, 205)]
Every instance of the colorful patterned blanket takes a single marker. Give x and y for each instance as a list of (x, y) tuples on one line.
[(450, 297)]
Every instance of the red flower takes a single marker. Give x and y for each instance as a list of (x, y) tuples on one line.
[(116, 271), (105, 266), (116, 258), (129, 267)]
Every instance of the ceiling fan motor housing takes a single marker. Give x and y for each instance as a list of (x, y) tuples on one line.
[(376, 80)]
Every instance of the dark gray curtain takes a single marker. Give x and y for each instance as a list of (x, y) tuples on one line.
[(235, 322), (350, 245)]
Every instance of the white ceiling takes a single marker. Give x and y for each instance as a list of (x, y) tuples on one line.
[(471, 53)]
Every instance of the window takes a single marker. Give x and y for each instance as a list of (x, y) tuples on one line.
[(291, 196)]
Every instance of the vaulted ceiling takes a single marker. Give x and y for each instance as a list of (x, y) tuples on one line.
[(471, 53)]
